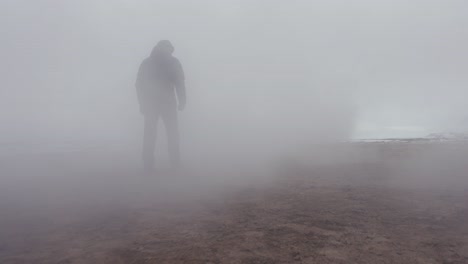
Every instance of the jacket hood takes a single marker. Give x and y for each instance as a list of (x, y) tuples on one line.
[(163, 48)]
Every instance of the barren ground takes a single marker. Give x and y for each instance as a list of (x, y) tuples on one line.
[(332, 213)]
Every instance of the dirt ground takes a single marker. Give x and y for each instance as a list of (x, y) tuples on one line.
[(332, 213)]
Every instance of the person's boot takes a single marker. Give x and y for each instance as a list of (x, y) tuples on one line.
[(148, 165)]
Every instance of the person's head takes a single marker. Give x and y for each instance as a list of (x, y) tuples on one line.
[(164, 47)]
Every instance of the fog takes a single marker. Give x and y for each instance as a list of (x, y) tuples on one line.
[(264, 79), (274, 89), (68, 68)]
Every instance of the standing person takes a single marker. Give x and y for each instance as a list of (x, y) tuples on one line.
[(160, 78)]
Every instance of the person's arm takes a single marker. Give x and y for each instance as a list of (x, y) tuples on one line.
[(139, 86), (180, 85)]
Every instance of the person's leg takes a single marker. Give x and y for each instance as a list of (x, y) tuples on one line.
[(172, 131), (149, 142)]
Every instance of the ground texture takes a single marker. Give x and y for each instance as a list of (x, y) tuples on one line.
[(322, 214)]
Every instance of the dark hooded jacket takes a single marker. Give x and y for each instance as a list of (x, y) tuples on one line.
[(159, 79)]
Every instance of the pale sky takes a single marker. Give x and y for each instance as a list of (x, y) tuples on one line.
[(363, 68)]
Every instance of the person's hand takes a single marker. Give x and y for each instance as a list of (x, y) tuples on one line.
[(181, 106), (142, 110)]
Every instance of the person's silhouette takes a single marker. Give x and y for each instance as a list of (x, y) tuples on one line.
[(160, 78)]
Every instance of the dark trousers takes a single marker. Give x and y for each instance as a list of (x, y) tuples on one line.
[(169, 117)]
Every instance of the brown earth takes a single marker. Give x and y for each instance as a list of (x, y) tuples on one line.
[(335, 213)]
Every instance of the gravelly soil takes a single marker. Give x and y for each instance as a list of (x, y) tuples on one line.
[(322, 214)]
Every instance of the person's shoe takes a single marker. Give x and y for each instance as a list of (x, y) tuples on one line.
[(175, 168), (149, 171)]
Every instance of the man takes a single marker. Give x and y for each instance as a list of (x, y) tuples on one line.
[(159, 79)]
